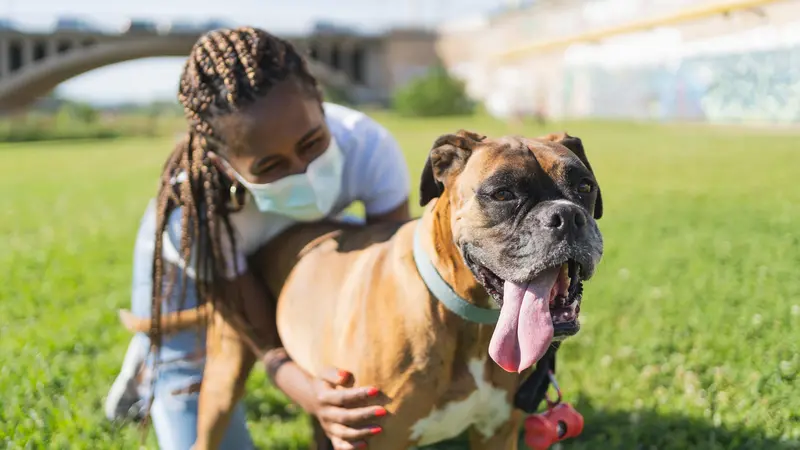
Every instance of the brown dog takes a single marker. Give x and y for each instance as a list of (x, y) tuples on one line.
[(513, 227)]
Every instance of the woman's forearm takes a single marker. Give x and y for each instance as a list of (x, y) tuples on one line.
[(285, 374), (290, 379)]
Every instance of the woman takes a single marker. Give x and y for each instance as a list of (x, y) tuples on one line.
[(262, 152)]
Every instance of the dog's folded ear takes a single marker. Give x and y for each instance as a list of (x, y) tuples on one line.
[(575, 145), (448, 156), (429, 188)]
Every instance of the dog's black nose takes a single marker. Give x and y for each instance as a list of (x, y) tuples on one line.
[(563, 217)]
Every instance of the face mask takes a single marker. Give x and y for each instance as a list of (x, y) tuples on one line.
[(305, 196)]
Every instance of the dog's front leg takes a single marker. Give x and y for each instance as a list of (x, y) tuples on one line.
[(228, 364), (505, 438), (239, 331)]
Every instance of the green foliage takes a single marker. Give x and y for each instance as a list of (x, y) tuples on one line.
[(54, 118), (61, 126), (82, 112), (690, 334), (82, 123), (435, 94)]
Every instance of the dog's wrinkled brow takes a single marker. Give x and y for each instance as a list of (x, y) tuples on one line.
[(505, 177)]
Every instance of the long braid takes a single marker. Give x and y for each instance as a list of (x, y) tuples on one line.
[(227, 70)]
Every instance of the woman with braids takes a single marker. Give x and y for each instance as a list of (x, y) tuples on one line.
[(262, 152)]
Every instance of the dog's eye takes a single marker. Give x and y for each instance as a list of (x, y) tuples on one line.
[(503, 195), (585, 187)]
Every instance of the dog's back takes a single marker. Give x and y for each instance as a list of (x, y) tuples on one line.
[(329, 297)]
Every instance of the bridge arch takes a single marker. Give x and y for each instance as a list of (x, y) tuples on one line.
[(43, 72)]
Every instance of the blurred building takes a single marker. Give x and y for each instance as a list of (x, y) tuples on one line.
[(376, 64), (359, 67), (687, 60)]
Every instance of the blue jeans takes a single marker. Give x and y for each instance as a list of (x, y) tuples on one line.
[(182, 358)]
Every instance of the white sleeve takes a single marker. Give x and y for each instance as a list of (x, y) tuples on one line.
[(385, 180), (171, 250)]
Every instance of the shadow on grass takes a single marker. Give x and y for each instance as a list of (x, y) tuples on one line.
[(603, 429), (650, 430), (646, 430)]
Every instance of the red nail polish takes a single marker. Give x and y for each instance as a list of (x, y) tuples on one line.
[(343, 374), (376, 430), (380, 412), (361, 445), (372, 392)]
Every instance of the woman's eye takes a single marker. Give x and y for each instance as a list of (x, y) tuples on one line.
[(267, 167), (311, 149), (503, 195), (585, 187)]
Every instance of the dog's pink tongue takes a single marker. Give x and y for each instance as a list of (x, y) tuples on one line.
[(525, 328)]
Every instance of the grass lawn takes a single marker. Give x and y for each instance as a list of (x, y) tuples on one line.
[(691, 336)]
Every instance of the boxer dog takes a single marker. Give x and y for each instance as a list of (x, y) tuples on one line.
[(446, 313)]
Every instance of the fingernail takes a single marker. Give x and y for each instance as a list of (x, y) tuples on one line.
[(361, 445), (372, 392), (343, 374), (380, 412), (375, 430)]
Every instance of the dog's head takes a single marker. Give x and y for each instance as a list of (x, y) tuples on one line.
[(523, 217)]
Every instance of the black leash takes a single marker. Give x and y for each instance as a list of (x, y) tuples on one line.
[(534, 389)]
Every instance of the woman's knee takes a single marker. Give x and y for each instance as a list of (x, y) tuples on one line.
[(175, 420), (175, 423)]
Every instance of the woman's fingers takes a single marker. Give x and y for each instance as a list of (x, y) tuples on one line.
[(349, 434), (346, 398), (342, 412), (339, 444), (335, 377), (351, 417)]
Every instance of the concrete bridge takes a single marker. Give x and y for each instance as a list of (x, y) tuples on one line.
[(367, 68)]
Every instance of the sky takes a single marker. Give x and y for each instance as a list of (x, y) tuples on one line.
[(156, 78)]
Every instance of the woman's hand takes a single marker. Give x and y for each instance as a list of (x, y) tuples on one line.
[(343, 412)]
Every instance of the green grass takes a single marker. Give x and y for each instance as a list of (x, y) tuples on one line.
[(691, 336)]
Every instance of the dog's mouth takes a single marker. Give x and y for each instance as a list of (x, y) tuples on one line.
[(533, 313), (564, 299)]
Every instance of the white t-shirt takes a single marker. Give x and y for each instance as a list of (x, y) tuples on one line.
[(375, 173)]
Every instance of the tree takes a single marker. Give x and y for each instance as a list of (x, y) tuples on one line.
[(435, 94)]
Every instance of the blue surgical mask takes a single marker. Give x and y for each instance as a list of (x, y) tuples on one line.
[(305, 197)]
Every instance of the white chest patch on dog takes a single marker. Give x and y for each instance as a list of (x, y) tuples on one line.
[(486, 409)]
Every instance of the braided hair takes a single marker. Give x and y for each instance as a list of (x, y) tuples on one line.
[(227, 70)]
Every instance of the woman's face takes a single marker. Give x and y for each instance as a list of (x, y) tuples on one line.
[(277, 136)]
